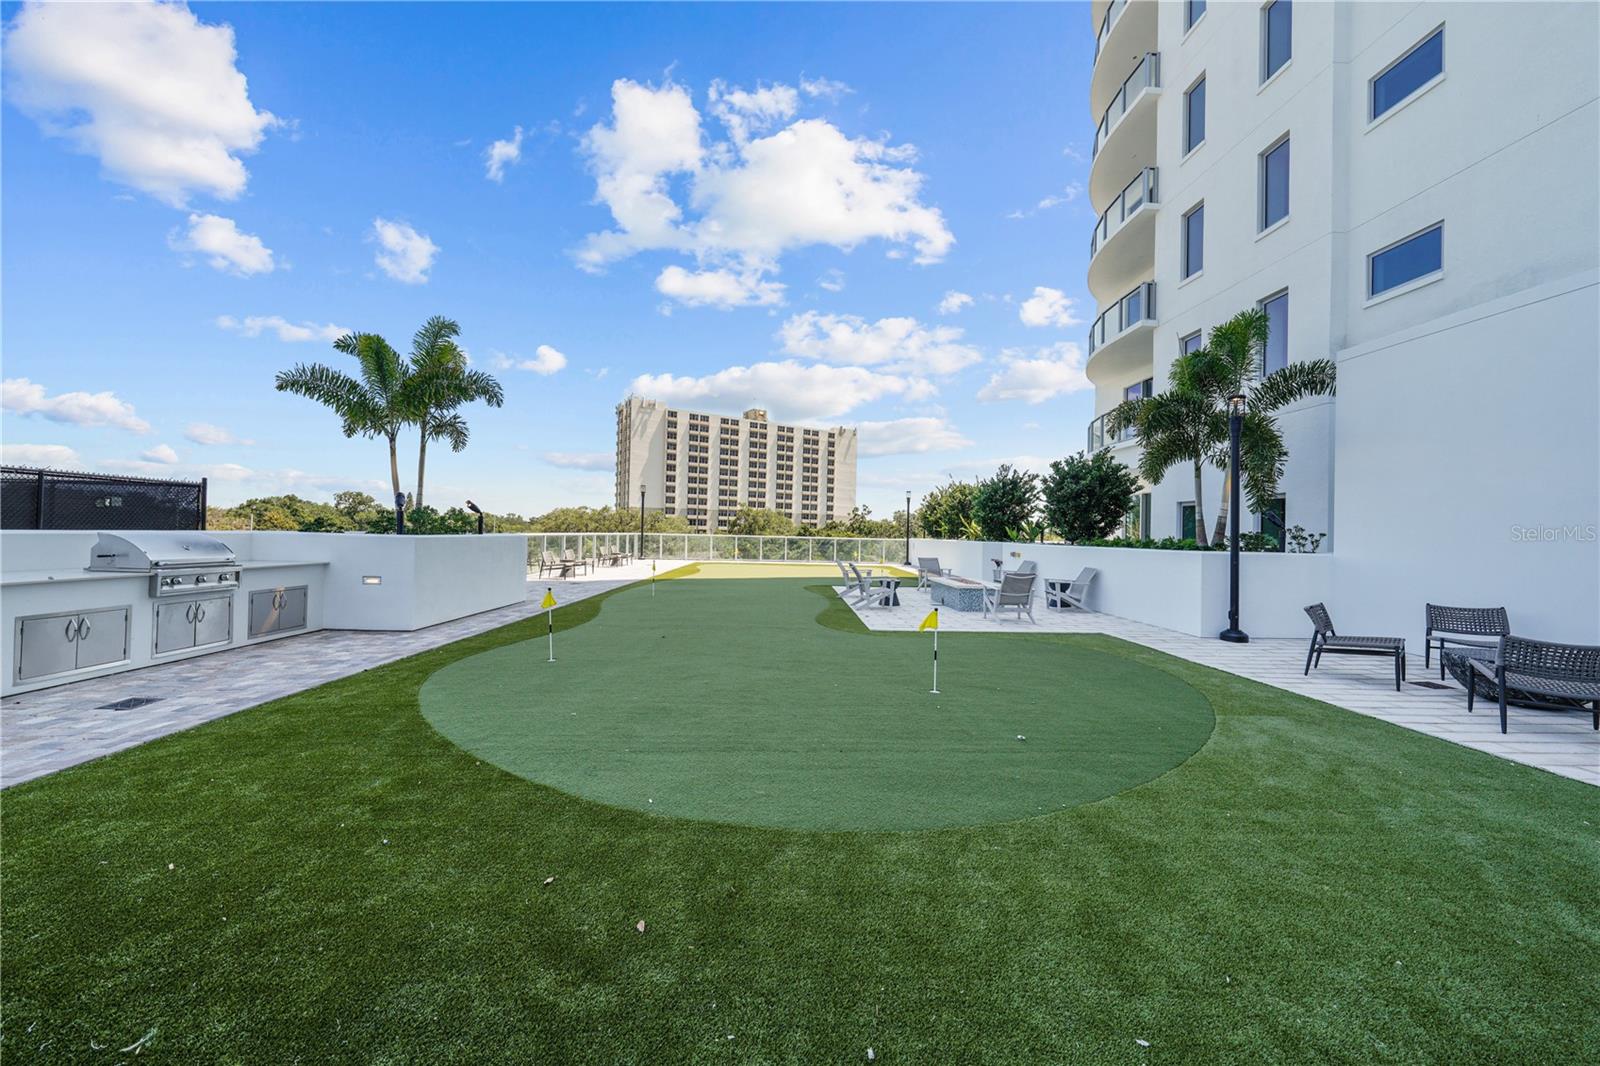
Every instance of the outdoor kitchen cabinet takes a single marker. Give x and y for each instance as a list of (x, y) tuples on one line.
[(185, 624), (277, 610), (59, 643)]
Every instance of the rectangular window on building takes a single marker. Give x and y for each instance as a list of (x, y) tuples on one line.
[(1194, 241), (1405, 76), (1192, 10), (1276, 31), (1186, 521), (1189, 343), (1274, 184), (1276, 356), (1194, 116), (1405, 261)]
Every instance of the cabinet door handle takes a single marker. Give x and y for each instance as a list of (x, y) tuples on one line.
[(84, 629), (72, 629), (199, 612), (188, 613)]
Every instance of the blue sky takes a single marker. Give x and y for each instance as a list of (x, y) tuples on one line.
[(737, 204)]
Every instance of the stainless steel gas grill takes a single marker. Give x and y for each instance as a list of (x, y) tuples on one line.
[(179, 563)]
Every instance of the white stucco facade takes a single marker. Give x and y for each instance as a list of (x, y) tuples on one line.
[(1460, 461)]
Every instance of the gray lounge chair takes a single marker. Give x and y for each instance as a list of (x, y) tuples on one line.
[(1540, 673), (1015, 590), (871, 588), (549, 564), (1065, 595), (1324, 641), (1460, 625), (928, 566)]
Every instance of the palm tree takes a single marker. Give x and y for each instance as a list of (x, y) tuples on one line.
[(440, 383), (378, 403), (1189, 422), (1175, 426), (1233, 363)]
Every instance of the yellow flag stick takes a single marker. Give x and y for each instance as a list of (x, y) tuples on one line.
[(549, 605), (932, 622)]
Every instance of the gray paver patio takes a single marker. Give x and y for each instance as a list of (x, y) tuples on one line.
[(1561, 742), (48, 730)]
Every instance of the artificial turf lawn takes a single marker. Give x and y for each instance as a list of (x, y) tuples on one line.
[(347, 885), (723, 700)]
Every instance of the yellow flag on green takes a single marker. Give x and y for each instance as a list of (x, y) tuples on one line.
[(549, 600), (930, 622)]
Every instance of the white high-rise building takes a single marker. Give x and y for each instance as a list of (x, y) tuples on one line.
[(1409, 189), (705, 466)]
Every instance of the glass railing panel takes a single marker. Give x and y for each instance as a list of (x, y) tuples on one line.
[(1146, 75)]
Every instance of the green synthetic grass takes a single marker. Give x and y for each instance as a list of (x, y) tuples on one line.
[(722, 700), (328, 879)]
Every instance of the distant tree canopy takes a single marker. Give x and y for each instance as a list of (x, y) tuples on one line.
[(1006, 502), (946, 512)]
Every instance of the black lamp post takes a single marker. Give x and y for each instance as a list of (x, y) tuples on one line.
[(1233, 634), (641, 520), (474, 509), (399, 512), (908, 527)]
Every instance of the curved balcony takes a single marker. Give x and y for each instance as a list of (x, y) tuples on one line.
[(1123, 244), (1126, 32), (1125, 139), (1099, 437), (1119, 340)]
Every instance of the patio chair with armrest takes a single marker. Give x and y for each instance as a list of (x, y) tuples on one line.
[(1540, 672), (1070, 594), (1466, 626), (1015, 590), (928, 566), (1324, 641), (869, 586)]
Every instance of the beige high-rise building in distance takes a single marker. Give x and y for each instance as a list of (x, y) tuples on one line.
[(705, 467)]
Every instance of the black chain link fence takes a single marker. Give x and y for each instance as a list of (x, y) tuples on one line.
[(61, 499)]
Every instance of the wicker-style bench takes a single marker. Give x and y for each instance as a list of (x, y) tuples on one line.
[(1466, 626), (1324, 641), (1543, 670)]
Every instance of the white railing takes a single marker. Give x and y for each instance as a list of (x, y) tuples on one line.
[(1147, 75), (1138, 192), (1138, 308), (715, 547), (1113, 13)]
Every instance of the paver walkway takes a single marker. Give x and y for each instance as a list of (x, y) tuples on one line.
[(1561, 742), (48, 730)]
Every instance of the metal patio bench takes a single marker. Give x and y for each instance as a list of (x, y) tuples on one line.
[(1543, 673), (1325, 641), (1464, 626)]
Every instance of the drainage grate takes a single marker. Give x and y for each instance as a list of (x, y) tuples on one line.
[(130, 703), (1430, 684)]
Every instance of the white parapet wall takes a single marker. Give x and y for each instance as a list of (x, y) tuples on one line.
[(343, 581)]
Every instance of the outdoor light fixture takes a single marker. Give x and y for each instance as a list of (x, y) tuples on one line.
[(641, 520), (474, 509), (372, 579), (1233, 634), (908, 527)]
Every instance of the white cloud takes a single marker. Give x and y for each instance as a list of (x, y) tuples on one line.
[(1047, 373), (23, 397), (722, 289), (1048, 307), (255, 325), (404, 254), (826, 88), (902, 345), (148, 89), (832, 280), (788, 389), (39, 454), (747, 200), (580, 460), (909, 436), (953, 302), (208, 434), (546, 360), (1067, 195), (224, 245), (161, 453), (502, 154)]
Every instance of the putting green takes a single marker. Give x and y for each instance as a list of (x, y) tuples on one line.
[(727, 701)]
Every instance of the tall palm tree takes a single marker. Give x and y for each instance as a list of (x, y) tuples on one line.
[(1233, 363), (379, 402), (1175, 426), (441, 382)]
